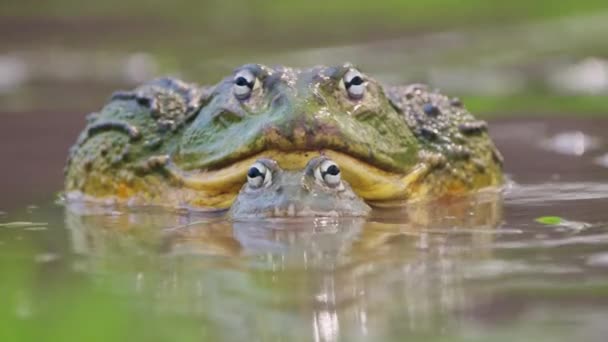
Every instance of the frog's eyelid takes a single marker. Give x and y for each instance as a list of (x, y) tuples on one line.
[(246, 73), (245, 78), (350, 74)]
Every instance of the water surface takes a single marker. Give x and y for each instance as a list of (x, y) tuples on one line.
[(471, 269)]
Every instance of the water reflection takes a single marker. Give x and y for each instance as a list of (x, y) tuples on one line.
[(399, 271)]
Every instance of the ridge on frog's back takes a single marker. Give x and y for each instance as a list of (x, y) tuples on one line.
[(177, 144)]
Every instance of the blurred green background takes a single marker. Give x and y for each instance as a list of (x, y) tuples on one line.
[(514, 57)]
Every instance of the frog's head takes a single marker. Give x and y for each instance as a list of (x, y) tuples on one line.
[(317, 190), (290, 115)]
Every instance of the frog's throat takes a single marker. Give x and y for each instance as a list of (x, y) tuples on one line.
[(369, 182)]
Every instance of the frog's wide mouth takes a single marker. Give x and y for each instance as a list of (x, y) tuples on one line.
[(369, 182)]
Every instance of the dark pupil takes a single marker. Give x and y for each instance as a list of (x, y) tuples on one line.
[(333, 170), (355, 81), (242, 81), (254, 172)]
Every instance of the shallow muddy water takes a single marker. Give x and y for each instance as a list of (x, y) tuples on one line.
[(472, 269)]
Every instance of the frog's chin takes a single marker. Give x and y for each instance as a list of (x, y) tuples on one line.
[(368, 181)]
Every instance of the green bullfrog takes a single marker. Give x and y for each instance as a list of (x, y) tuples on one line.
[(317, 190), (177, 144)]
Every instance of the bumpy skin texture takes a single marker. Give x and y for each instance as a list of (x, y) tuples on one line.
[(451, 139), (121, 153), (175, 144)]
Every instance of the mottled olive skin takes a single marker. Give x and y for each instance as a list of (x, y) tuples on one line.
[(297, 194), (292, 110), (175, 144)]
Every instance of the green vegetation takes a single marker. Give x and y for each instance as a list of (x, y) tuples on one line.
[(537, 105), (550, 220), (202, 40), (360, 14)]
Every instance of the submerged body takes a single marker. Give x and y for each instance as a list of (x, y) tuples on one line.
[(175, 144)]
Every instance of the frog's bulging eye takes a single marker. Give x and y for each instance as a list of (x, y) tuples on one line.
[(259, 175), (354, 84), (244, 81), (328, 173)]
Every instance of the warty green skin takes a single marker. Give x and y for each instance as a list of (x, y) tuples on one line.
[(293, 109), (129, 150), (297, 194)]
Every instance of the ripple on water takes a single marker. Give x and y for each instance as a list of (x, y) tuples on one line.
[(602, 160), (593, 239), (500, 268), (598, 259), (24, 225), (46, 257), (554, 191)]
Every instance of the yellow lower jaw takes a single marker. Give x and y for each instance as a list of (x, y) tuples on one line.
[(374, 184), (369, 182)]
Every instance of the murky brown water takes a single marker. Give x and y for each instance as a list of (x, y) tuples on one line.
[(477, 268)]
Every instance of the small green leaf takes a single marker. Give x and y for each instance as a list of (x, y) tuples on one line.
[(550, 220)]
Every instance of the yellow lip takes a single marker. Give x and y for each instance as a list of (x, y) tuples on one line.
[(369, 182)]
